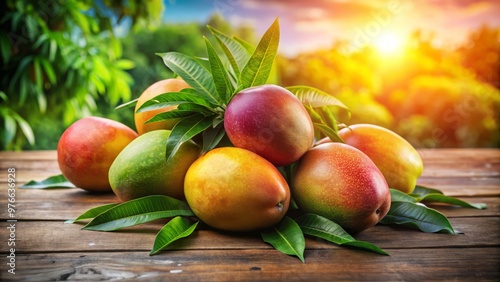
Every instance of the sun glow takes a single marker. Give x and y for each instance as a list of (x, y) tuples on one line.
[(388, 43)]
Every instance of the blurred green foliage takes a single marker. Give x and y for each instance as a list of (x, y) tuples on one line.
[(60, 61)]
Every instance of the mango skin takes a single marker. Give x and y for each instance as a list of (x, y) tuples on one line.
[(270, 121), (234, 189), (396, 158), (341, 183), (88, 147), (141, 168), (155, 89)]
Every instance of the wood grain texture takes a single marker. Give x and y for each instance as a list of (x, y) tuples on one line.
[(55, 236), (48, 249)]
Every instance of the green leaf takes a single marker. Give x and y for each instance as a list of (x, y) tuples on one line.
[(56, 181), (91, 213), (212, 136), (315, 97), (125, 64), (196, 108), (417, 216), (222, 82), (21, 67), (38, 72), (139, 211), (49, 71), (366, 246), (440, 198), (286, 237), (127, 105), (42, 101), (328, 132), (237, 55), (171, 99), (5, 47), (426, 194), (398, 196), (327, 115), (193, 74), (421, 191), (249, 47), (52, 50), (258, 67), (184, 130), (174, 230), (321, 227), (10, 129), (174, 114)]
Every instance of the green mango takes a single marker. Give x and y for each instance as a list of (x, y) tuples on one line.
[(141, 168)]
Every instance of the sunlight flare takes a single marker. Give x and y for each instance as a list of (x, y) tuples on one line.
[(388, 43)]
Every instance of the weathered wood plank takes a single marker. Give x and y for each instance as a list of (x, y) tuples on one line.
[(47, 249), (28, 155), (467, 264), (464, 155), (462, 169), (54, 204), (51, 236), (67, 204)]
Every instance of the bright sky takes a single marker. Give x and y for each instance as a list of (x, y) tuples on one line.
[(309, 24)]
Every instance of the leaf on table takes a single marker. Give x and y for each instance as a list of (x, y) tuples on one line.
[(286, 237), (56, 181), (91, 213), (366, 246), (421, 191), (319, 226), (439, 198), (398, 196), (324, 228), (139, 211), (426, 194), (174, 230), (415, 215)]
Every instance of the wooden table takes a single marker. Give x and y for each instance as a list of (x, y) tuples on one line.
[(47, 249)]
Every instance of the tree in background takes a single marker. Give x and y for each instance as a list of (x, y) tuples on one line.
[(481, 54), (59, 60), (433, 97)]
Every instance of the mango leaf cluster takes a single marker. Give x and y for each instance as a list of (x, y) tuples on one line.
[(287, 236), (408, 210), (215, 80)]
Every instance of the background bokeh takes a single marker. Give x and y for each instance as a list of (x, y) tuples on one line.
[(429, 70)]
